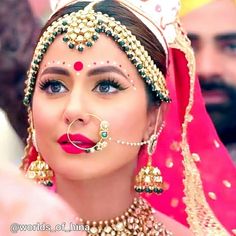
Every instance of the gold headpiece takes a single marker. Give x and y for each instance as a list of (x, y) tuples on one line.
[(82, 29)]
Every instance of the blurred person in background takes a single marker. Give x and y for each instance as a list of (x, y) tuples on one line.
[(211, 27), (18, 29), (23, 214)]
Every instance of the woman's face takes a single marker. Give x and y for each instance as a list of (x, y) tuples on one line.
[(99, 81)]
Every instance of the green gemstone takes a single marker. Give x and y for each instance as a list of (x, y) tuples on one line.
[(134, 61), (51, 39), (104, 134), (130, 56), (35, 68), (30, 90), (116, 37), (80, 49), (126, 48), (49, 184), (34, 74), (138, 190), (46, 45), (148, 190), (60, 30), (40, 56), (98, 30), (161, 97), (121, 43), (64, 23), (65, 39), (139, 66), (158, 190), (26, 101), (142, 73), (54, 33), (43, 50), (108, 33), (95, 37), (71, 45), (89, 44), (147, 79)]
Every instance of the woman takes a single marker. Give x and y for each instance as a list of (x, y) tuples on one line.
[(97, 99)]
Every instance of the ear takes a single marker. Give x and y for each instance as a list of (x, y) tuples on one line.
[(155, 117)]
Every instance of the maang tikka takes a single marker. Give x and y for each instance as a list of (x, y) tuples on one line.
[(39, 171), (149, 178)]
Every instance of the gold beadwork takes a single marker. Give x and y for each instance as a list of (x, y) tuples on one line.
[(201, 218), (139, 219), (149, 180), (80, 30), (40, 172)]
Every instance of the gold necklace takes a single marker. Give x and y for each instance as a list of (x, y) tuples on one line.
[(138, 220)]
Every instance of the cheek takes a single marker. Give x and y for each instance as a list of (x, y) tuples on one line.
[(230, 71), (45, 118), (129, 121)]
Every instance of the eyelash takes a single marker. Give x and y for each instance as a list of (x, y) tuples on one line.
[(44, 85), (110, 82)]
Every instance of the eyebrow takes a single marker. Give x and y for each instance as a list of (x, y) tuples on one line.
[(192, 36), (226, 36), (56, 70), (219, 37), (106, 69)]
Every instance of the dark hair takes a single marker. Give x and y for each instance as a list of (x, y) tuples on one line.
[(18, 30), (114, 9)]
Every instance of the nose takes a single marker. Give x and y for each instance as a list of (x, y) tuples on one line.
[(209, 62), (75, 109)]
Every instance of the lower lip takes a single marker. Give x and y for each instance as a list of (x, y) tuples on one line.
[(214, 97), (71, 149)]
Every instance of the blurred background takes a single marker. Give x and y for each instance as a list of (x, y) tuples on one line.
[(20, 23)]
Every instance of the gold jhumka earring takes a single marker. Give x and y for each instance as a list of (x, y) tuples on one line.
[(149, 178), (39, 171)]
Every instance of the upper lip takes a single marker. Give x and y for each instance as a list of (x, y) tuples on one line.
[(75, 138)]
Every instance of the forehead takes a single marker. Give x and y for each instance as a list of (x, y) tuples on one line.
[(214, 18), (104, 49)]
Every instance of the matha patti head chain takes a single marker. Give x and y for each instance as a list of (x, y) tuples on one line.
[(81, 30)]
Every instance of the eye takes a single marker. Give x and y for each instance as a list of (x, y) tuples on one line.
[(53, 86), (229, 47), (108, 86)]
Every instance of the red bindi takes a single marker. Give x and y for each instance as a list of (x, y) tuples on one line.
[(78, 66)]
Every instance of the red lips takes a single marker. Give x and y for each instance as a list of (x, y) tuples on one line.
[(77, 139)]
